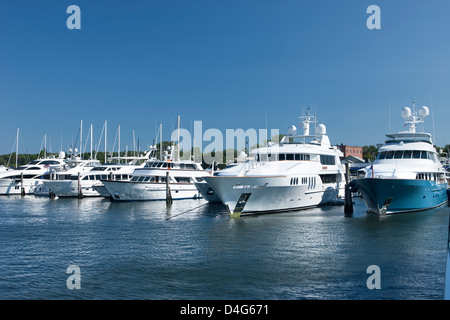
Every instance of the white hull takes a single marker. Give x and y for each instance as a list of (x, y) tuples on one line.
[(101, 189), (14, 186), (269, 194), (69, 188), (148, 191), (41, 190), (207, 192)]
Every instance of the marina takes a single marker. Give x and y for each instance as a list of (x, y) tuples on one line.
[(312, 161)]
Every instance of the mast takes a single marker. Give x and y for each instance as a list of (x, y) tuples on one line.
[(17, 146), (81, 140), (105, 138), (134, 145), (178, 142), (160, 142), (118, 149), (91, 141)]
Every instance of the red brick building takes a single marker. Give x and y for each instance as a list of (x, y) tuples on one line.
[(351, 151)]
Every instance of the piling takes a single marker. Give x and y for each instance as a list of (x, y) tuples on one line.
[(448, 197), (80, 193), (348, 204), (168, 194), (22, 189)]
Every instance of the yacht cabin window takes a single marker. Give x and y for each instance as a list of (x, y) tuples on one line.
[(407, 154), (329, 160), (283, 157)]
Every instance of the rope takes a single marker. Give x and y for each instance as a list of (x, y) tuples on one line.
[(179, 214)]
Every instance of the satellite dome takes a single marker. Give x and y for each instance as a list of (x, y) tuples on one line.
[(321, 129), (62, 155), (424, 111), (406, 112), (292, 130)]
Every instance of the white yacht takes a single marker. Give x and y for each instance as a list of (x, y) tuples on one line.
[(407, 174), (150, 182), (301, 171), (25, 179), (88, 183), (74, 164)]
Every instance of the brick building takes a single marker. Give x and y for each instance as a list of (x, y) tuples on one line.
[(351, 151)]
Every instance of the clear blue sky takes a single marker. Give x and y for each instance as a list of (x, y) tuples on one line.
[(225, 62)]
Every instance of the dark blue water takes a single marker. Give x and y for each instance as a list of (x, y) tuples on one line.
[(143, 250)]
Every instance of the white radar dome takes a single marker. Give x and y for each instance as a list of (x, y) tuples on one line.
[(292, 130), (321, 129), (406, 112), (424, 111), (62, 155)]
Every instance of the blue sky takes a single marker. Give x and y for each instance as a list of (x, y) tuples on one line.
[(227, 63)]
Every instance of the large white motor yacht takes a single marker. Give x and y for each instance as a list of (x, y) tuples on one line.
[(150, 182), (25, 179), (301, 171)]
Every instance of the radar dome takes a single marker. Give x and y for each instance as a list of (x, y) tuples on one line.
[(321, 129), (62, 155), (406, 112), (292, 130), (424, 111)]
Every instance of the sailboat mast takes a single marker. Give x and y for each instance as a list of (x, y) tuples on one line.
[(178, 142), (91, 141), (17, 147), (160, 142), (118, 149), (105, 138)]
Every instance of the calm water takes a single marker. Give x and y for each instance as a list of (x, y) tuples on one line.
[(145, 251)]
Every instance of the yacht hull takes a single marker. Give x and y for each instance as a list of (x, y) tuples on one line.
[(256, 195), (207, 192), (148, 191), (15, 186), (69, 188), (390, 196)]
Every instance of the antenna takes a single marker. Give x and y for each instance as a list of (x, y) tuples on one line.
[(412, 118)]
